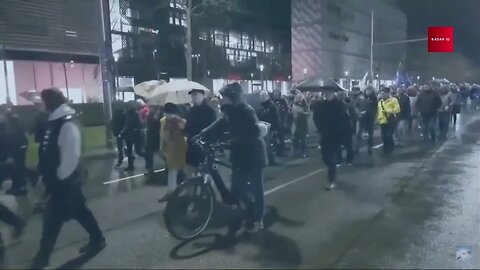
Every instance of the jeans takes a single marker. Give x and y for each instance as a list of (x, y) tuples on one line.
[(246, 182), (300, 143), (53, 222), (387, 138), (130, 143), (119, 141), (348, 144), (367, 126), (443, 123), (329, 156), (429, 124)]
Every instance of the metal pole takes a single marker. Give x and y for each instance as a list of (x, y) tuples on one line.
[(371, 49), (66, 81), (106, 57), (5, 72), (261, 75)]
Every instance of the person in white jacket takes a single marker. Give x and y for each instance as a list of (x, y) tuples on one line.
[(59, 166)]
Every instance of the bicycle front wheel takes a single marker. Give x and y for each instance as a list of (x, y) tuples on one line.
[(189, 209)]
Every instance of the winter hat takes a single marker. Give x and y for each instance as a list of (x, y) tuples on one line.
[(170, 108), (233, 91)]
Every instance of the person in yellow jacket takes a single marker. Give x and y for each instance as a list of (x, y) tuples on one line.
[(173, 144), (388, 110)]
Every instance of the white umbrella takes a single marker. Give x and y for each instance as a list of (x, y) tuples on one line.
[(144, 89), (30, 95), (175, 92)]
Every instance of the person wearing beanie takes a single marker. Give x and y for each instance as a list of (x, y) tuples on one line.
[(173, 145), (59, 166), (248, 154)]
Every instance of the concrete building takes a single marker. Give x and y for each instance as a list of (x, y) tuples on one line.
[(45, 43), (331, 38)]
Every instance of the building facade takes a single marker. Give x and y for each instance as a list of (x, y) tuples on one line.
[(331, 38), (45, 43), (245, 43)]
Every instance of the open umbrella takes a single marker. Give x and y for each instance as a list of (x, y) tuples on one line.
[(320, 85), (144, 89), (176, 92), (30, 95), (440, 81)]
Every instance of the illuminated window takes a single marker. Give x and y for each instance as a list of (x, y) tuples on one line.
[(235, 40), (259, 45), (203, 36), (219, 38), (171, 20), (177, 21), (245, 42), (230, 55)]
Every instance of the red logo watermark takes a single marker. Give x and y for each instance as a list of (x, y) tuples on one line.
[(440, 39)]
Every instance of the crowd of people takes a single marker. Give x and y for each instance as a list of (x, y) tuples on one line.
[(255, 139)]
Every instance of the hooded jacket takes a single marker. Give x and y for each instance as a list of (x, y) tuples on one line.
[(69, 142)]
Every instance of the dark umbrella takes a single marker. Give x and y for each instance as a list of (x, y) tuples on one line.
[(440, 81), (320, 85)]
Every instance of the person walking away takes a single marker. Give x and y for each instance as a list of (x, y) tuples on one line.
[(284, 111), (268, 112), (347, 140), (333, 124), (59, 165), (457, 104), (367, 113), (444, 113), (300, 112), (388, 110), (152, 144), (404, 117), (248, 154), (132, 133), (173, 145), (18, 152), (118, 123), (428, 103)]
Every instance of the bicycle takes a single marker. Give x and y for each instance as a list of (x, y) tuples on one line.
[(192, 204)]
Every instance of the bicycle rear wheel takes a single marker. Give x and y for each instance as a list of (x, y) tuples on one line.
[(189, 209)]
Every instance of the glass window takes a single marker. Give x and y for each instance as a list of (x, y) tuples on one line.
[(230, 55), (235, 40), (259, 45), (203, 36), (245, 42), (172, 3), (171, 20), (219, 38)]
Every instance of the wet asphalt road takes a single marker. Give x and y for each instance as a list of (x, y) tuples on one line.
[(409, 211)]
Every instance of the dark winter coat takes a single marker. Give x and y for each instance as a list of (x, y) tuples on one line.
[(247, 148), (268, 112), (405, 110), (428, 103), (118, 122), (333, 121), (40, 126), (368, 108), (133, 125), (153, 131), (198, 118)]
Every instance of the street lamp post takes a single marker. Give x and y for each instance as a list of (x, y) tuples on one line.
[(262, 67), (348, 80), (117, 81), (154, 53), (305, 73)]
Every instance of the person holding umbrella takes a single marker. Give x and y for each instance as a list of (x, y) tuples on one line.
[(333, 124)]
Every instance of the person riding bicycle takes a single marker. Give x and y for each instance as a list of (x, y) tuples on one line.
[(248, 154)]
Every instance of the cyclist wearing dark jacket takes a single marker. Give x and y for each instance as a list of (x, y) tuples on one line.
[(247, 152)]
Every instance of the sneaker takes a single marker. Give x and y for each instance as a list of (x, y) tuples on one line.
[(330, 186), (255, 227), (119, 164), (93, 246)]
